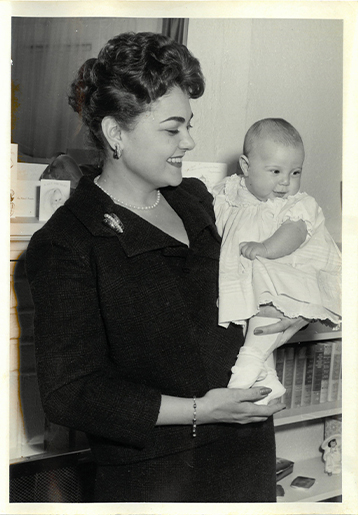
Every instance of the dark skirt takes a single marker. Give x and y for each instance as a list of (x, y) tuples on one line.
[(231, 470)]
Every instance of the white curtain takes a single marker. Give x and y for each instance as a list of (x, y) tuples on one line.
[(46, 54)]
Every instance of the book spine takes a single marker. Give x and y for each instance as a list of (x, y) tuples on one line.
[(317, 373), (308, 376), (288, 375), (327, 355), (279, 363), (335, 370), (298, 373)]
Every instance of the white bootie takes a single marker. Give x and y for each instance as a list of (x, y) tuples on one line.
[(249, 367), (255, 362), (270, 381)]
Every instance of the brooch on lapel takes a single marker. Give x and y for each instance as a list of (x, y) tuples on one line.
[(113, 222)]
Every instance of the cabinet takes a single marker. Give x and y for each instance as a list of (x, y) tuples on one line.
[(300, 433)]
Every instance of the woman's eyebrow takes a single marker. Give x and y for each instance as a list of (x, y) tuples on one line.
[(178, 119)]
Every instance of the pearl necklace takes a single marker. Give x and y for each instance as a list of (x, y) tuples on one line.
[(117, 201)]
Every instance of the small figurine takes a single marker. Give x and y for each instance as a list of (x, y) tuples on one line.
[(332, 454)]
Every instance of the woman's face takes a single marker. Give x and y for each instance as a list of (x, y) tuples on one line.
[(154, 149), (273, 170)]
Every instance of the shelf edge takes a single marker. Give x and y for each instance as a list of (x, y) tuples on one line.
[(303, 414)]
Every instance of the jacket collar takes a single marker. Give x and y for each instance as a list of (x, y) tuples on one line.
[(89, 204)]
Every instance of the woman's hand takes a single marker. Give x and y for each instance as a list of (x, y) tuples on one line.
[(234, 405), (287, 327)]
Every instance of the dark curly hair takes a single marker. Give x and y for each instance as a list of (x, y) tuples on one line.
[(132, 70)]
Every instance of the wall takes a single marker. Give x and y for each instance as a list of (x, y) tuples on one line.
[(257, 68)]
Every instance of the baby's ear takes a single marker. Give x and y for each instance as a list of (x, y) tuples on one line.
[(244, 164)]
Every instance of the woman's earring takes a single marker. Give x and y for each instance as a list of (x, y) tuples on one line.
[(117, 152)]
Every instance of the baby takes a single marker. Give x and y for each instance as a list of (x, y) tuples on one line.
[(275, 249)]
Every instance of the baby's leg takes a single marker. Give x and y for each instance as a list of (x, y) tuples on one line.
[(270, 381), (252, 356)]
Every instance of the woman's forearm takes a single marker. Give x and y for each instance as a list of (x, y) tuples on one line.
[(175, 410), (220, 405)]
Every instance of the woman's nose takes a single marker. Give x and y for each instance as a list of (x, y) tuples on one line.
[(187, 142)]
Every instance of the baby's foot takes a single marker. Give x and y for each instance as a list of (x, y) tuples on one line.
[(271, 381), (248, 368)]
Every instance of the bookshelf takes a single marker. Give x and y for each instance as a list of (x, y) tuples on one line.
[(305, 413), (300, 432), (325, 486)]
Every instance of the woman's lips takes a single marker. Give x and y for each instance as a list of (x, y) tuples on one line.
[(175, 161)]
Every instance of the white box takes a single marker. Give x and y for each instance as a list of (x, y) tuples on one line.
[(209, 173)]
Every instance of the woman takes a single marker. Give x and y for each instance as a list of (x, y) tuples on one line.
[(124, 282)]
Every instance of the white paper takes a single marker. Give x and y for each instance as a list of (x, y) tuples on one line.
[(27, 192), (209, 173)]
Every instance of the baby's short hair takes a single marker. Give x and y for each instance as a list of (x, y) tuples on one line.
[(275, 129)]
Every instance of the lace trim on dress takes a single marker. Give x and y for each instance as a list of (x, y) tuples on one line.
[(237, 194)]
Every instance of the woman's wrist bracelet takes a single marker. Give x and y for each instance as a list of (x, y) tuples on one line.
[(194, 417)]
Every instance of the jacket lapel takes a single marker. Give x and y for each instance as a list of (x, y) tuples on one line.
[(90, 205), (191, 210)]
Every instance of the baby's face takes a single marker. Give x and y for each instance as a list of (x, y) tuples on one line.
[(274, 170)]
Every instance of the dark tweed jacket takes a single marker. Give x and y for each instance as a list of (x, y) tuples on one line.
[(121, 318)]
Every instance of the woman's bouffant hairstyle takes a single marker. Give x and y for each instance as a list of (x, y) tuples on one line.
[(276, 129), (131, 71)]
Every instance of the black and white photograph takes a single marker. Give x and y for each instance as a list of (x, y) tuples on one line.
[(182, 237)]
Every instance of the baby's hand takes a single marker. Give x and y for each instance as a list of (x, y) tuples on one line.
[(252, 249)]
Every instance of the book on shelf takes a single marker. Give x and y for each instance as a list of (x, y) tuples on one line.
[(298, 375), (288, 374), (307, 381), (317, 373), (310, 372), (335, 370), (279, 363), (327, 355)]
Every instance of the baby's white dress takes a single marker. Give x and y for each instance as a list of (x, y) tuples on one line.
[(305, 283)]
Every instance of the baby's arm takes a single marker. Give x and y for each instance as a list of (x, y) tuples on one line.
[(288, 238)]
